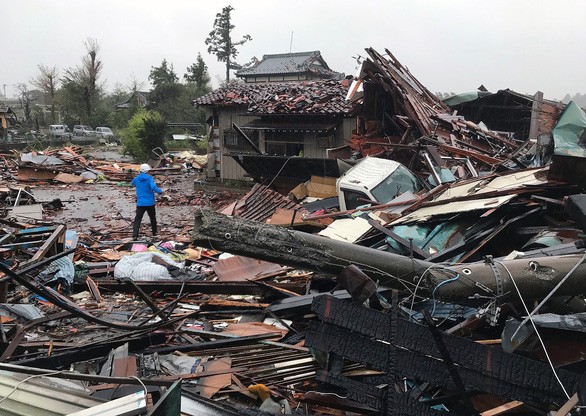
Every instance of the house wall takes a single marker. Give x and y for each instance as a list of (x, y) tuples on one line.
[(314, 143), (345, 133), (229, 169)]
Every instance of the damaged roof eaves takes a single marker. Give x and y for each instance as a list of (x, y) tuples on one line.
[(303, 98)]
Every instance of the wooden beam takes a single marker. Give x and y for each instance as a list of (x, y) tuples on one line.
[(569, 405), (504, 408)]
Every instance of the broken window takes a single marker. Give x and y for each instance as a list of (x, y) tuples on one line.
[(284, 144), (398, 182), (234, 143), (355, 199)]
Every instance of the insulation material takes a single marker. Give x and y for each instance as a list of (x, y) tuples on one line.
[(140, 266), (347, 229)]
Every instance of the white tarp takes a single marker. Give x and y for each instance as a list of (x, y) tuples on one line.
[(140, 266)]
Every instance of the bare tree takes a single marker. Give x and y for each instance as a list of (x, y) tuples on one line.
[(26, 97), (93, 66), (86, 76), (46, 81), (134, 84)]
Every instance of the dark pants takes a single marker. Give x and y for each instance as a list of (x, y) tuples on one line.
[(138, 219)]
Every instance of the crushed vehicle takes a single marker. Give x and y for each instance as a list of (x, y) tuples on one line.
[(374, 180)]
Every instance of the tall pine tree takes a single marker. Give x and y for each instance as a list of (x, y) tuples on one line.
[(220, 41)]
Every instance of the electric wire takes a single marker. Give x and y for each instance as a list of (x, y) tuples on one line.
[(453, 279), (550, 294), (142, 384), (280, 170), (27, 379), (535, 329)]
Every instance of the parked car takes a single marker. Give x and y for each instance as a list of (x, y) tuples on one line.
[(81, 130), (105, 132), (106, 135), (59, 130)]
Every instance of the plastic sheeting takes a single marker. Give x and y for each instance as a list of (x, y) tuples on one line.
[(140, 266), (62, 268), (569, 134)]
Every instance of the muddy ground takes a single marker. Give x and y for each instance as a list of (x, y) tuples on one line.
[(110, 206)]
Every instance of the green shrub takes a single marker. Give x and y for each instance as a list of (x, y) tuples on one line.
[(145, 132)]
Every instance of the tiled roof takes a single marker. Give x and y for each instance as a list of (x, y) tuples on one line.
[(289, 63), (306, 97)]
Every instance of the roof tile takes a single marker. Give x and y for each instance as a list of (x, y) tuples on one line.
[(306, 97)]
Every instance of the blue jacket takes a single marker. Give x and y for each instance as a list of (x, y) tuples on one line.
[(145, 190)]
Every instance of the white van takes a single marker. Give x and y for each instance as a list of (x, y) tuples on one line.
[(374, 179), (59, 130)]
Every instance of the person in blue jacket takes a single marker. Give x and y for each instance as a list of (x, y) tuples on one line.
[(145, 199)]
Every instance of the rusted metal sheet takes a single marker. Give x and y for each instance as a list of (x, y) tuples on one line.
[(240, 268), (261, 203)]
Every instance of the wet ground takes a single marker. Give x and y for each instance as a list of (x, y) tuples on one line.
[(110, 206)]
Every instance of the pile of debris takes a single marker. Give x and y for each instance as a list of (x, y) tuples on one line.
[(465, 274), (441, 272)]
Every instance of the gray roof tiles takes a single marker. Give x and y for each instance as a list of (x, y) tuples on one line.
[(306, 97), (290, 63)]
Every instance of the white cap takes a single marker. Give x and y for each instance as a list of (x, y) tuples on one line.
[(144, 167)]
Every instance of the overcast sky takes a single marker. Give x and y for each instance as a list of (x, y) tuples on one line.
[(449, 45)]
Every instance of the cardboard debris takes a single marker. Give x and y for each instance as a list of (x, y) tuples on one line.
[(68, 178)]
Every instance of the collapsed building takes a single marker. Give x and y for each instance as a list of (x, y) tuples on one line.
[(497, 230), (417, 262)]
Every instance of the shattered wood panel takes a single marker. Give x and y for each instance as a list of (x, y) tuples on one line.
[(34, 174), (373, 354), (411, 364), (482, 367), (373, 396)]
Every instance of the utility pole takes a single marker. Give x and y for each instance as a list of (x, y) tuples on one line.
[(4, 85)]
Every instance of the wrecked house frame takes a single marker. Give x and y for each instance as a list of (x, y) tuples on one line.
[(281, 120), (461, 296), (276, 120)]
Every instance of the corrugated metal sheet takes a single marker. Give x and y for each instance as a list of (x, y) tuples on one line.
[(261, 203), (41, 397)]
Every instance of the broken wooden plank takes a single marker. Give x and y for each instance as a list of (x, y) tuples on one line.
[(568, 406), (504, 408)]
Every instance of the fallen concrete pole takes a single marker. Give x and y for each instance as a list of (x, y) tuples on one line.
[(534, 277), (461, 283), (303, 250)]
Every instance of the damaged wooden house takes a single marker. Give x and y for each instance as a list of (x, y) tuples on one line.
[(290, 106), (465, 294)]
